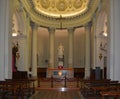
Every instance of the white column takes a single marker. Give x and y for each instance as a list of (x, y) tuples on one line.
[(51, 45), (70, 47), (28, 44), (87, 52), (34, 50), (113, 71), (5, 39)]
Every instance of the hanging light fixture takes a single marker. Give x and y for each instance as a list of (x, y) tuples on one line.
[(105, 34), (14, 33), (61, 22)]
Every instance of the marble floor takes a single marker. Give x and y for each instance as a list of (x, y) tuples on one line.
[(55, 94), (58, 91)]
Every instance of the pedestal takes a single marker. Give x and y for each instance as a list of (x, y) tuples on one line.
[(60, 61), (60, 73)]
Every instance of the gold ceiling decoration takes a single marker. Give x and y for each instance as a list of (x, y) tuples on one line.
[(60, 14), (63, 7), (44, 3), (78, 4)]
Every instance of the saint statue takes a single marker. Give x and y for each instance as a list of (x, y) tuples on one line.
[(14, 54), (60, 55), (60, 50)]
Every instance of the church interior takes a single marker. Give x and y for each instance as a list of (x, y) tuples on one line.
[(59, 48)]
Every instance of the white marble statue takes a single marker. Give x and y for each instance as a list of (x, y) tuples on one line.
[(60, 55), (60, 50)]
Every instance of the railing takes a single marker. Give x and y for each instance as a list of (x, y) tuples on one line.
[(65, 82)]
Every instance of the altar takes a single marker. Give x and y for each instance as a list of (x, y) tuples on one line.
[(60, 73)]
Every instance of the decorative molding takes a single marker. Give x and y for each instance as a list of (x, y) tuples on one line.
[(67, 22), (56, 7)]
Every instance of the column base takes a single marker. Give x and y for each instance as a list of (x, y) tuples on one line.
[(87, 73)]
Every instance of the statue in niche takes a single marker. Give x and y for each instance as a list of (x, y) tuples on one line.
[(60, 55), (14, 56)]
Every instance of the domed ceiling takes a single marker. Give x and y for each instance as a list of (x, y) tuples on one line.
[(60, 13), (61, 7)]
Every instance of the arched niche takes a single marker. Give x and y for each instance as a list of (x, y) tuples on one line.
[(21, 27), (101, 42)]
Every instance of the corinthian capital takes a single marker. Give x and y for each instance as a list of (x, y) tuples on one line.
[(51, 30), (71, 30)]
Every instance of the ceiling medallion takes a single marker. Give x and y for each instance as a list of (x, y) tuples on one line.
[(78, 3), (61, 5), (45, 3)]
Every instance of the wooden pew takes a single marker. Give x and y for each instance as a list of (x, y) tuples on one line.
[(87, 83), (115, 94), (17, 87), (12, 88), (100, 82), (29, 84), (92, 88)]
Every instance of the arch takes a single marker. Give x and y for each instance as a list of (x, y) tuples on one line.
[(102, 18), (21, 26), (101, 41), (20, 21)]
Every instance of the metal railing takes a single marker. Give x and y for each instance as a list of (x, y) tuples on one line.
[(52, 82)]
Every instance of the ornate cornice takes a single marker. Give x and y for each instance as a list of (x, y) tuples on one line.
[(67, 22)]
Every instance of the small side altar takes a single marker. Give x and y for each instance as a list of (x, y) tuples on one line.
[(60, 72)]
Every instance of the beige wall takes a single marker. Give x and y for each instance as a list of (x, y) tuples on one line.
[(61, 36), (79, 48), (43, 47)]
